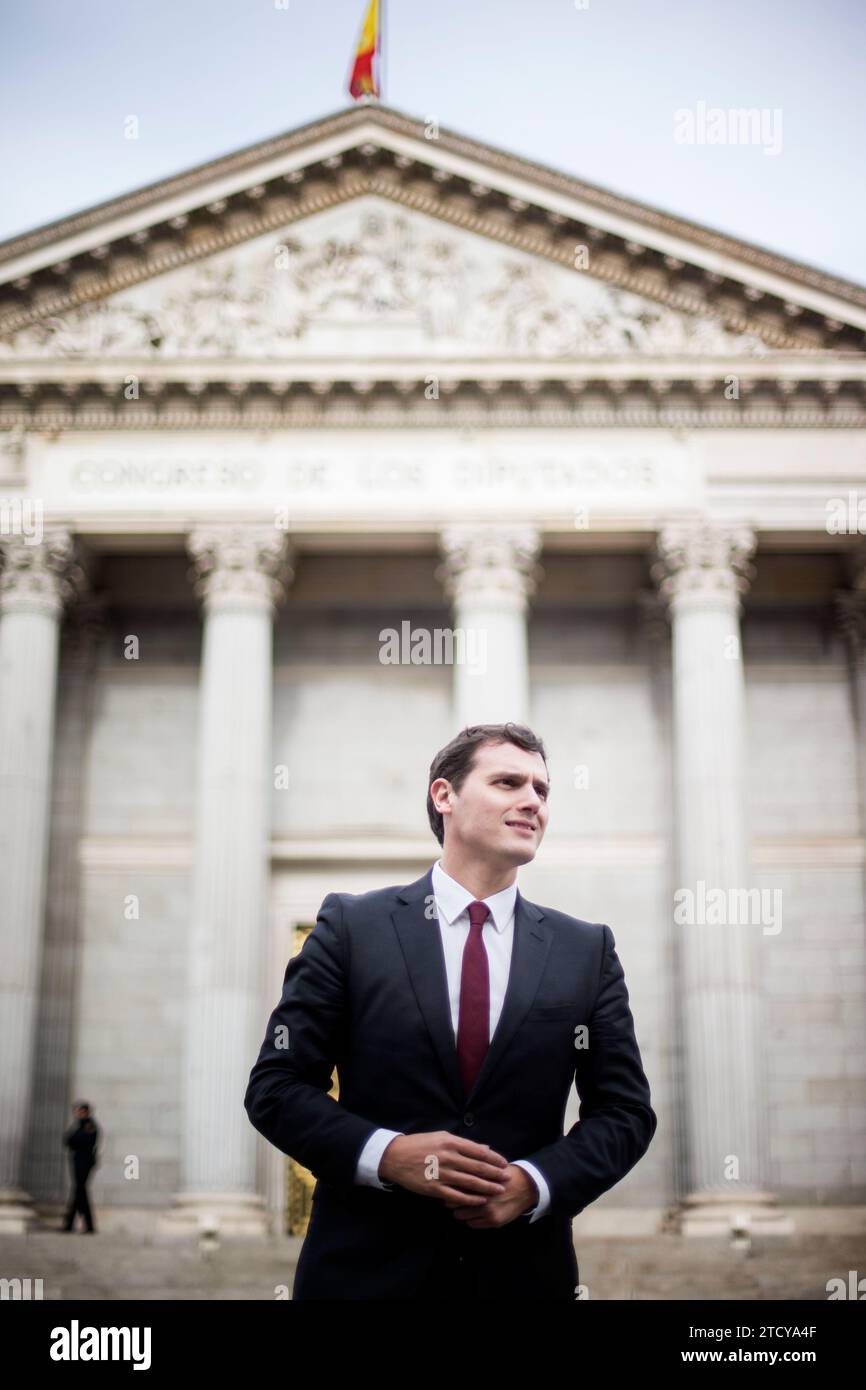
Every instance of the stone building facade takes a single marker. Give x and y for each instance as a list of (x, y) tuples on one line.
[(276, 433)]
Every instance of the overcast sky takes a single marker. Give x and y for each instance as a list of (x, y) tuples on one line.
[(596, 88)]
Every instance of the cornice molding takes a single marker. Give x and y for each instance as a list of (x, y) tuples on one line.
[(389, 119), (420, 184), (581, 401)]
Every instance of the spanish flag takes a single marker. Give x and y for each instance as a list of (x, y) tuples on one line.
[(364, 81)]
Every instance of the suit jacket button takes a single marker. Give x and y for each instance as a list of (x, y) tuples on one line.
[(469, 1118)]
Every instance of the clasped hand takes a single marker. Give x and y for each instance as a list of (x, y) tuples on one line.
[(475, 1182)]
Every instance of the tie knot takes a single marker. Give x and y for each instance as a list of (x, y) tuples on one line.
[(478, 913)]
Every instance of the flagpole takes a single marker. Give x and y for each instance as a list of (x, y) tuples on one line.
[(383, 50)]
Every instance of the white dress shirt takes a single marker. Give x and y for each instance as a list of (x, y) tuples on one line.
[(452, 902)]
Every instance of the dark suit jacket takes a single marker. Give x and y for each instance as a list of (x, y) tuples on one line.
[(81, 1140), (367, 993)]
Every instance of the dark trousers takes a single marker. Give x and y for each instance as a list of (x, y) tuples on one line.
[(79, 1202), (464, 1274), (450, 1278)]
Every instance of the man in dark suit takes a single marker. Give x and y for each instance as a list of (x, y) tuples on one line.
[(457, 1014), (81, 1141)]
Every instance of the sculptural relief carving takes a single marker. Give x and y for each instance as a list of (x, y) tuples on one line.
[(386, 273)]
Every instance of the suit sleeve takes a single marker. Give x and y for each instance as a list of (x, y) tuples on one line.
[(286, 1097), (616, 1121)]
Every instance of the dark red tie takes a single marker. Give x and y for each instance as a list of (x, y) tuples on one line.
[(473, 1021)]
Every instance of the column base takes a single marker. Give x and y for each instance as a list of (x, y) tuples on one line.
[(17, 1213), (732, 1214), (215, 1215)]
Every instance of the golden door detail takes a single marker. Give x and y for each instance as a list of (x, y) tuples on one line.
[(299, 1180)]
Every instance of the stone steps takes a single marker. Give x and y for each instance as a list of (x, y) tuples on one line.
[(111, 1266)]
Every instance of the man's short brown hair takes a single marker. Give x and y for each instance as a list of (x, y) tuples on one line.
[(456, 760)]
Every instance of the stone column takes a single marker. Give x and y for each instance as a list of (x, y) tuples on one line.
[(851, 619), (36, 581), (490, 573), (54, 1064), (240, 573), (701, 571)]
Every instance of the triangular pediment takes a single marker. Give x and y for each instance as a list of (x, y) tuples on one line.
[(402, 239), (365, 280)]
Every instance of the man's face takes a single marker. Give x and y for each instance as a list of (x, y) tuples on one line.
[(501, 810)]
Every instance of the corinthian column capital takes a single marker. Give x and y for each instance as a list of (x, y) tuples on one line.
[(239, 565), (489, 563), (699, 564), (40, 577)]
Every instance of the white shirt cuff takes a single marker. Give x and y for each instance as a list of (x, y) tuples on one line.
[(367, 1172), (543, 1202)]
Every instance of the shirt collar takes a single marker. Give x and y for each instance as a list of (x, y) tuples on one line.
[(452, 899)]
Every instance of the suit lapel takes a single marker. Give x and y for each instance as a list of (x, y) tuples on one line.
[(418, 930)]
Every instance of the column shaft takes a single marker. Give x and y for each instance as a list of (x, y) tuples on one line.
[(702, 571), (35, 581), (237, 576)]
